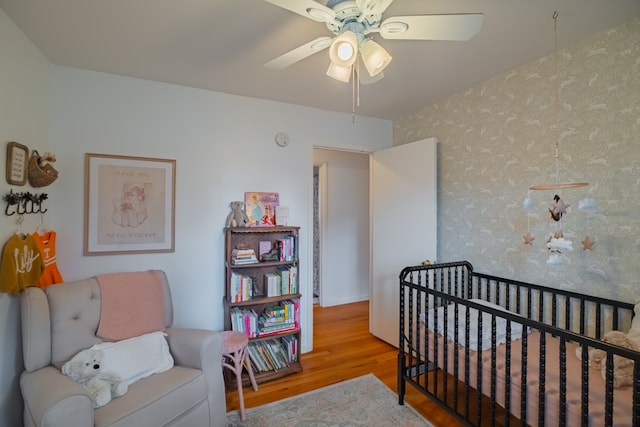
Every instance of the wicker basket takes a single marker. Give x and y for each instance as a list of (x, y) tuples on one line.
[(40, 176)]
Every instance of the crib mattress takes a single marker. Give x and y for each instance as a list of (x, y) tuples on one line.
[(622, 408)]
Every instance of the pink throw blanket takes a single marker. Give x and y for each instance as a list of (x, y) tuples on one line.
[(132, 304)]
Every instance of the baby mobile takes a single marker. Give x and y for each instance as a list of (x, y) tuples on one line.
[(556, 242)]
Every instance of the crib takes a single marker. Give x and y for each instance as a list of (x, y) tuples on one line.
[(494, 351)]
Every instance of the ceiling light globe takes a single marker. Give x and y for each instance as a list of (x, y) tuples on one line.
[(374, 57), (344, 49), (342, 74)]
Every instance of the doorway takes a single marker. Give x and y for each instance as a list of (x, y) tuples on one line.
[(341, 258)]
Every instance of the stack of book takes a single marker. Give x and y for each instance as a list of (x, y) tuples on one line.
[(272, 284), (243, 256), (290, 345), (240, 287), (286, 248), (288, 279), (280, 318), (272, 354), (245, 321)]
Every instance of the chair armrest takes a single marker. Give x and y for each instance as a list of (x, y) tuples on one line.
[(195, 348), (202, 349), (53, 399)]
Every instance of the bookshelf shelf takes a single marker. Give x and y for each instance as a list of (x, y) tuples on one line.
[(251, 290)]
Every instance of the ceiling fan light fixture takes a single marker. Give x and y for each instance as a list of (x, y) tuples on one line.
[(374, 56), (339, 73), (344, 49)]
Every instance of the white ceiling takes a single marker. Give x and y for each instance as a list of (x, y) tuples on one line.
[(222, 45)]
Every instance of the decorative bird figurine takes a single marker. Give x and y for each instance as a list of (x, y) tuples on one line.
[(558, 208)]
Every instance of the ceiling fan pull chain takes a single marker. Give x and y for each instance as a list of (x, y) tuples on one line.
[(353, 95)]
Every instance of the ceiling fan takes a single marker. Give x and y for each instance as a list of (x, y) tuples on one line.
[(353, 22)]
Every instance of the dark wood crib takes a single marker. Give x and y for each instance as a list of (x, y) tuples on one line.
[(495, 351)]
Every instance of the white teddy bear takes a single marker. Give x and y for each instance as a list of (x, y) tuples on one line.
[(84, 368), (237, 217)]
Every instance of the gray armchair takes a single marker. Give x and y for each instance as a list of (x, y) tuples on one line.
[(62, 319)]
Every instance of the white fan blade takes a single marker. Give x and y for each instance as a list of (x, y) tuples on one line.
[(307, 8), (299, 53), (373, 7), (432, 27)]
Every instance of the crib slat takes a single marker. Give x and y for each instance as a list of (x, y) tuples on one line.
[(523, 380), (563, 383), (584, 396), (541, 378), (636, 394), (608, 396)]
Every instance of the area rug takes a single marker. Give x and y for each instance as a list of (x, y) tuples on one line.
[(360, 402)]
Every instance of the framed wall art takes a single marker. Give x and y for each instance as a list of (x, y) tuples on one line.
[(129, 205), (17, 157)]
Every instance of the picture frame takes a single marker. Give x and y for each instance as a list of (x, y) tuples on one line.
[(17, 160), (129, 205)]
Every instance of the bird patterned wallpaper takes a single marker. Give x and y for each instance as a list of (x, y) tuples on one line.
[(500, 137)]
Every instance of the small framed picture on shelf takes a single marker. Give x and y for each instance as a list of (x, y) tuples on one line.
[(264, 246), (260, 207)]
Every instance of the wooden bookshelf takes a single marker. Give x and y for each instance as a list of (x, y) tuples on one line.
[(253, 297)]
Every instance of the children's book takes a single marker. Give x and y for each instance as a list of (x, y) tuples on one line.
[(261, 208)]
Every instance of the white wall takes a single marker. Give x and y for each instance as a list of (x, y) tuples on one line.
[(24, 106), (498, 138), (224, 145), (344, 243)]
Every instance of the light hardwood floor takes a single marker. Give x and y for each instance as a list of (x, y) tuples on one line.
[(343, 349)]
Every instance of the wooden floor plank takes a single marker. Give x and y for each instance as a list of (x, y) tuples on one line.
[(343, 349)]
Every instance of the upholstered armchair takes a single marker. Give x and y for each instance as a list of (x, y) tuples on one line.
[(63, 319)]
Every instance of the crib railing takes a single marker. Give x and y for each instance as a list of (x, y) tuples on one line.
[(424, 360)]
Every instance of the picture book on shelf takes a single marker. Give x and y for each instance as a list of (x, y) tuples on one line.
[(261, 208)]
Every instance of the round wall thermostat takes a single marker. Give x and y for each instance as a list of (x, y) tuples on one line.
[(282, 139)]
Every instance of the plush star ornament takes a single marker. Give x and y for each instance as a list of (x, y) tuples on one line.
[(587, 243), (528, 238)]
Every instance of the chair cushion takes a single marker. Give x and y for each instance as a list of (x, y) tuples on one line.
[(75, 312), (137, 357), (156, 400)]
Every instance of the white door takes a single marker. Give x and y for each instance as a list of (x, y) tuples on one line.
[(403, 226)]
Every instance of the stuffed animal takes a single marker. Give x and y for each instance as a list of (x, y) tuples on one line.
[(46, 158), (237, 217), (84, 368), (622, 367)]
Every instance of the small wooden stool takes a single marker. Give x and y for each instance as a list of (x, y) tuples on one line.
[(235, 354)]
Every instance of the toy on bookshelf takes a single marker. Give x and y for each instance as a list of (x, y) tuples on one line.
[(260, 207), (237, 217)]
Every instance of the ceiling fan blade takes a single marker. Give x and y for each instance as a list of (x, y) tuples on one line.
[(373, 7), (457, 27), (299, 53), (307, 8)]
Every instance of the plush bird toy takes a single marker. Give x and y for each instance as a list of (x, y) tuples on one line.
[(558, 208)]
